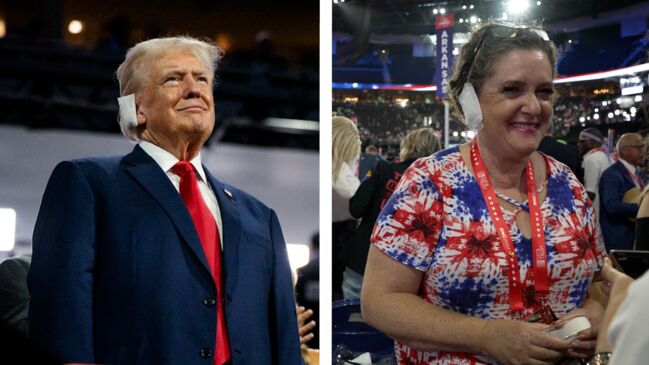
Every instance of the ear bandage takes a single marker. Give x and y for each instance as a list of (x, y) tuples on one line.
[(127, 113), (471, 107)]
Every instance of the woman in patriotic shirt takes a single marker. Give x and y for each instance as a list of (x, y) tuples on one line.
[(482, 246)]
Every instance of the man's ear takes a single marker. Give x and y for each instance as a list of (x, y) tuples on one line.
[(141, 117)]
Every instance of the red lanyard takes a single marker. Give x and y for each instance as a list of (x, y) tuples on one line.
[(541, 281)]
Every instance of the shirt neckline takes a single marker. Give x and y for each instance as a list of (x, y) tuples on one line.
[(166, 160)]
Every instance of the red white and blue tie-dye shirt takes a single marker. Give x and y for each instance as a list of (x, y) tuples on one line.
[(437, 222)]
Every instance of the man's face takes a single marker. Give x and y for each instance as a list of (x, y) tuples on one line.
[(633, 151), (176, 100), (586, 145)]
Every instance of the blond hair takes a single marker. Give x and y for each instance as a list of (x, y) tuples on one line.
[(134, 71), (419, 143), (345, 144)]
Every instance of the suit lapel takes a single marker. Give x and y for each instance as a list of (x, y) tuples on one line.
[(231, 226), (155, 181), (627, 174)]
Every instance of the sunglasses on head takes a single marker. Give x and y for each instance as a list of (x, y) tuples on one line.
[(499, 31)]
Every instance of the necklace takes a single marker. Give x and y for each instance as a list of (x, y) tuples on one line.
[(520, 205)]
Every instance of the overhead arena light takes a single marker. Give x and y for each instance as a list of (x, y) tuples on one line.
[(296, 124), (517, 6), (75, 26), (605, 74)]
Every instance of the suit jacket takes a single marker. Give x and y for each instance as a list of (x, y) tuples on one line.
[(118, 274), (614, 214)]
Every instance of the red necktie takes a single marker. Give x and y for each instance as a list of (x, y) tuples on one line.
[(208, 232)]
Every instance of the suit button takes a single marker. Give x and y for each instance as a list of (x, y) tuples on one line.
[(209, 302), (206, 353)]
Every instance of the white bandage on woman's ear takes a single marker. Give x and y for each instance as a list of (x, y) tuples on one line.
[(471, 107), (127, 111)]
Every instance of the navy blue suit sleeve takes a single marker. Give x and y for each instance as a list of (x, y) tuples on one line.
[(284, 330), (60, 278), (611, 189)]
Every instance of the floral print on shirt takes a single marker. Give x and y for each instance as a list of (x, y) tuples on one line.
[(437, 222)]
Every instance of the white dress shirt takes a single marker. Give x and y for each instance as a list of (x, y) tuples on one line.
[(166, 161), (594, 164), (632, 169)]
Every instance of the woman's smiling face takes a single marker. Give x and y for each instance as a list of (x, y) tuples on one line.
[(516, 101)]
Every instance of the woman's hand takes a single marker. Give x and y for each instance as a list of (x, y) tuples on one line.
[(615, 283), (515, 342), (583, 346)]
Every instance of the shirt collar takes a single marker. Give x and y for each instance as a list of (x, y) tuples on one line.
[(628, 165), (166, 160)]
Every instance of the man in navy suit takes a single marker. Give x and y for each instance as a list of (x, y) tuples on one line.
[(616, 215), (119, 272)]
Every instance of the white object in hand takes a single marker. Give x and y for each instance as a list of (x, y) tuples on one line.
[(571, 328)]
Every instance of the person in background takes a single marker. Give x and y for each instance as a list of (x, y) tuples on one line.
[(307, 287), (622, 177), (367, 161), (481, 246), (370, 198), (562, 152), (596, 159), (309, 356), (149, 259), (14, 297), (346, 149)]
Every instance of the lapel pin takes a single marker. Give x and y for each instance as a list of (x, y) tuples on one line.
[(228, 193)]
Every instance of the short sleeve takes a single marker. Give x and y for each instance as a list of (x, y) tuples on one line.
[(409, 226)]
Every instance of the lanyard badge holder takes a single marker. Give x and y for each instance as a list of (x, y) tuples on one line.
[(539, 257)]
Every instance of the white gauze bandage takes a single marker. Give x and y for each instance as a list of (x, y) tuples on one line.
[(471, 107), (127, 113)]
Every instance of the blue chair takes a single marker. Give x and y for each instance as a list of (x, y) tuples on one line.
[(350, 329)]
